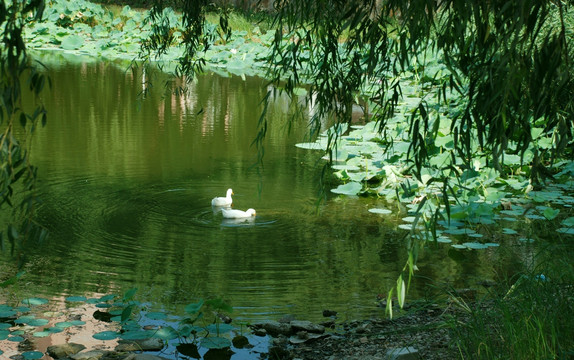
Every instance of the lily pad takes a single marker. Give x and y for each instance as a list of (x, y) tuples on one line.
[(76, 299), (156, 315), (72, 42), (28, 355), (106, 335), (38, 322), (380, 211), (215, 343), (351, 188), (42, 334), (508, 231), (166, 333), (35, 301), (137, 335)]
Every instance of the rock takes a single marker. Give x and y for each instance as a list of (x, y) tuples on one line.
[(240, 342), (274, 328), (64, 350), (89, 355), (406, 353), (304, 337), (329, 313), (300, 325), (151, 344)]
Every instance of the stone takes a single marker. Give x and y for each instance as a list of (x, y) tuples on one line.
[(301, 325), (274, 328), (406, 353), (151, 344), (64, 350)]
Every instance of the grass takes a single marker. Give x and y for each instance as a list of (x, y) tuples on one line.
[(530, 319)]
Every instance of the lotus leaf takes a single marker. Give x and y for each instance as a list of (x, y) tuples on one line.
[(351, 188), (567, 231), (15, 338), (166, 333), (380, 211), (137, 334), (550, 214), (42, 334), (28, 355), (568, 222), (76, 299), (156, 315), (221, 328), (106, 335), (215, 343), (35, 301)]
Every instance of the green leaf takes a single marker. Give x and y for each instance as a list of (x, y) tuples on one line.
[(550, 214), (215, 343), (351, 188), (568, 221), (72, 42), (35, 301), (380, 211), (401, 291), (166, 333), (106, 335), (129, 295), (156, 315), (194, 308), (29, 355)]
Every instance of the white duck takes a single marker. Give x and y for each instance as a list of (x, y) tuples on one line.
[(237, 214), (223, 201)]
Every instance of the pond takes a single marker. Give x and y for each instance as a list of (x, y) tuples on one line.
[(126, 184)]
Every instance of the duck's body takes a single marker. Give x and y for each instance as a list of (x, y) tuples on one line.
[(237, 214), (223, 201)]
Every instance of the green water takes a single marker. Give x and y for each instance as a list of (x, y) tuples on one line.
[(126, 185)]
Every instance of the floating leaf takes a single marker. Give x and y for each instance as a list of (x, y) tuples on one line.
[(15, 338), (4, 326), (35, 301), (4, 334), (215, 343), (166, 333), (351, 188), (475, 245), (380, 211), (7, 314), (106, 335), (38, 322), (221, 328), (568, 221), (72, 42), (311, 146), (42, 334), (508, 231), (64, 324), (156, 315), (137, 335), (28, 355), (76, 298)]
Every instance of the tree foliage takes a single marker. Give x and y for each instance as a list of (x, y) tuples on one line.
[(509, 61), (17, 174)]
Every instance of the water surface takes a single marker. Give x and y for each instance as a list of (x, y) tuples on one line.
[(126, 185)]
